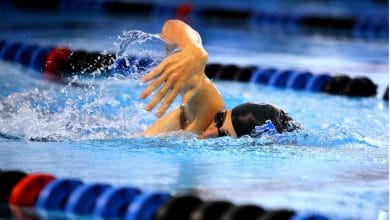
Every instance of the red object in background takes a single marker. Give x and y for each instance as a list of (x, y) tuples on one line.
[(183, 10), (26, 192), (54, 62)]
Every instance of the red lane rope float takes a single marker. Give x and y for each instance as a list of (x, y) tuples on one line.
[(183, 10), (54, 62), (26, 191)]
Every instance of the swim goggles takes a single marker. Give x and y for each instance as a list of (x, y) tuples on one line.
[(267, 128), (219, 118)]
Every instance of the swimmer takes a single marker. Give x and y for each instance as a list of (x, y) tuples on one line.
[(202, 110)]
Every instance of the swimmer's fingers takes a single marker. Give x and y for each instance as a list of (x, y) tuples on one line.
[(168, 101), (156, 71), (153, 86), (160, 95)]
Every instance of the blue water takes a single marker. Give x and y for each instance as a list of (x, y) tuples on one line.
[(337, 165)]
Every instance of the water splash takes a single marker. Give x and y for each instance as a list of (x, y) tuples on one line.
[(53, 114), (87, 107), (137, 53), (132, 37)]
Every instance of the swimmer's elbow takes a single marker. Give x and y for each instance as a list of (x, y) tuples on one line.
[(180, 34), (170, 27), (201, 55), (172, 22)]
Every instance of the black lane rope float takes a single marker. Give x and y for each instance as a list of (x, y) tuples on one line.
[(373, 26), (58, 63), (30, 195)]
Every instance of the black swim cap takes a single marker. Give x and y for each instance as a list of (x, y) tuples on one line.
[(248, 115)]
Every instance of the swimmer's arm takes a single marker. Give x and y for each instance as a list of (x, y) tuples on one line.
[(183, 73), (196, 116), (202, 108), (181, 35), (167, 123)]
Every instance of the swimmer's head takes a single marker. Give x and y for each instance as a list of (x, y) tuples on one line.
[(243, 119)]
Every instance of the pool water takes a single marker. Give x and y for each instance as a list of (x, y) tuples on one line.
[(337, 165)]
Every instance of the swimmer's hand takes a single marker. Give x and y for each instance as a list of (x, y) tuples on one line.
[(180, 73)]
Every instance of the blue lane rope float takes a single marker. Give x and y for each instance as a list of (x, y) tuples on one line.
[(55, 195), (38, 58), (72, 198), (373, 26), (307, 216), (317, 82), (9, 51), (299, 80), (83, 200), (112, 203), (21, 53), (23, 56), (280, 78), (262, 76), (144, 206), (58, 63)]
